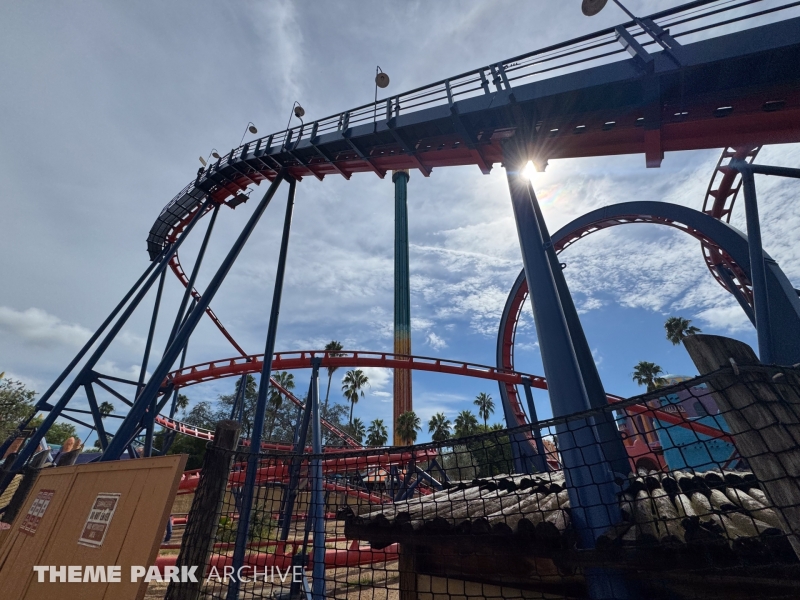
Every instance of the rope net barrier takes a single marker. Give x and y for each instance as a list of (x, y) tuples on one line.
[(710, 507)]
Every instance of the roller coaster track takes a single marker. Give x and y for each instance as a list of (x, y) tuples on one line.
[(583, 97), (718, 203), (589, 96), (476, 119), (302, 359)]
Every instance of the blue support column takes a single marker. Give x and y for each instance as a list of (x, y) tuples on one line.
[(605, 425), (589, 476), (152, 389), (294, 473), (318, 500), (758, 271), (150, 424), (193, 277), (98, 418), (540, 460), (261, 404)]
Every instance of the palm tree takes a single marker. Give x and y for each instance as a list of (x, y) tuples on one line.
[(485, 406), (678, 328), (377, 433), (352, 384), (465, 424), (649, 374), (357, 430), (408, 425), (333, 348), (439, 426), (182, 402), (286, 380)]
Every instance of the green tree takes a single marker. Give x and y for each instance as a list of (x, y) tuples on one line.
[(250, 399), (466, 424), (377, 435), (333, 348), (204, 416), (439, 426), (182, 402), (285, 380), (408, 424), (16, 405), (485, 406), (648, 374), (356, 429), (58, 432), (678, 328), (352, 387)]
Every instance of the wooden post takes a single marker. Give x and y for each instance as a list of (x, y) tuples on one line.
[(201, 526), (407, 566), (764, 417)]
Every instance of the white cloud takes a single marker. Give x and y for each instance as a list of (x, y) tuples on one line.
[(730, 318), (435, 342), (130, 372), (39, 328)]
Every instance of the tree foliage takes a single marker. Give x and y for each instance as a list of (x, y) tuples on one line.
[(678, 328), (485, 406), (648, 374), (16, 405), (353, 387), (357, 430), (333, 348), (377, 435), (408, 424), (439, 425), (466, 424)]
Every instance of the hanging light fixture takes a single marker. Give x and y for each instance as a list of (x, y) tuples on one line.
[(591, 7)]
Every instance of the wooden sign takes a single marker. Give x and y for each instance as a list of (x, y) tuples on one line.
[(99, 519), (35, 513)]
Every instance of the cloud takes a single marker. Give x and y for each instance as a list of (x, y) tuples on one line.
[(39, 328), (730, 318), (435, 342), (131, 372)]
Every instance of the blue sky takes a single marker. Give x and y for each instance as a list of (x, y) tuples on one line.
[(105, 107)]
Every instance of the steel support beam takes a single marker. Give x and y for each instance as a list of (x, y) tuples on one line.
[(193, 277), (128, 427), (261, 404), (540, 458), (758, 270), (150, 424), (301, 431), (607, 430), (589, 477)]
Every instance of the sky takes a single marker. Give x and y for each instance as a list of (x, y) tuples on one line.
[(106, 106)]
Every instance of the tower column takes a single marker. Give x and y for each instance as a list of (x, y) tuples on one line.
[(402, 298)]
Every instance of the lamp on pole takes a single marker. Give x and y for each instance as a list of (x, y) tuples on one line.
[(251, 128)]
